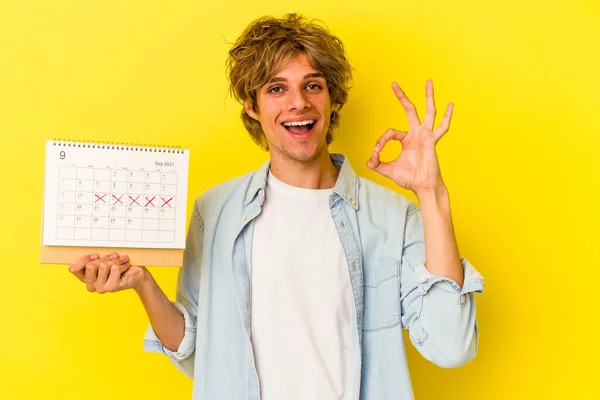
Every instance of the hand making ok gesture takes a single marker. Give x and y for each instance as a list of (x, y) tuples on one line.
[(416, 168)]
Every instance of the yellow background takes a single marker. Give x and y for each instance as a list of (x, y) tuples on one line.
[(521, 161)]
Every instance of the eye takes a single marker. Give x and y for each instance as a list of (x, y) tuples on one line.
[(276, 90), (314, 86)]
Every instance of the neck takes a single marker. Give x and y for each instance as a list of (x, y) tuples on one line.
[(319, 173)]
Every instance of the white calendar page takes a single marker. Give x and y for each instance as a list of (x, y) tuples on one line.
[(114, 196)]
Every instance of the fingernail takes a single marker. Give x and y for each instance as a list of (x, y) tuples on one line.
[(377, 147), (113, 256), (94, 256), (123, 258)]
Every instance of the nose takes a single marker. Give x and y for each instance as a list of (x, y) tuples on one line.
[(297, 100)]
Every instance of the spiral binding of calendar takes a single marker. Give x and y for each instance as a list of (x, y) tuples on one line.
[(119, 146)]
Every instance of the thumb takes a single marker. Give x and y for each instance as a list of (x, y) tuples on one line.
[(377, 165), (132, 277)]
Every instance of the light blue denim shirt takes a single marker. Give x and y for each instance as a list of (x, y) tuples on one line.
[(381, 232)]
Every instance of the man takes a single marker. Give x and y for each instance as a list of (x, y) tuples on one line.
[(299, 277)]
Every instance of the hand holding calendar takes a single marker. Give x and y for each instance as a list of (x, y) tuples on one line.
[(111, 273)]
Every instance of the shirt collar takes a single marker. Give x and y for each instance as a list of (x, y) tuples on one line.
[(346, 185)]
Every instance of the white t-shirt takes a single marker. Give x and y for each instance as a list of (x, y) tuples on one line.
[(301, 297)]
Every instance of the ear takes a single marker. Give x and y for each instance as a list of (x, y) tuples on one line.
[(335, 112), (250, 111)]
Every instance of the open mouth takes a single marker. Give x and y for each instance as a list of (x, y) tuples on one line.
[(299, 127)]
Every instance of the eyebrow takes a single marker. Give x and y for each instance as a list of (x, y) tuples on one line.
[(307, 76)]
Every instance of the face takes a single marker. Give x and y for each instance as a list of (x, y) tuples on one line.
[(294, 110)]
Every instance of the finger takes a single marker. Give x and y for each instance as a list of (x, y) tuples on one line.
[(122, 259), (116, 270), (103, 271), (409, 108), (377, 165), (430, 110), (115, 258), (77, 267), (390, 134), (91, 274), (110, 256), (445, 124)]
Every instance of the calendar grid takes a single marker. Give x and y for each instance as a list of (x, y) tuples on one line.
[(116, 205)]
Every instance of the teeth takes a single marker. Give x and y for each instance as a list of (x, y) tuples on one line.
[(299, 123)]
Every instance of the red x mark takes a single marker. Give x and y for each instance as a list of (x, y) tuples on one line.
[(98, 198), (134, 200), (166, 202), (117, 199), (150, 201)]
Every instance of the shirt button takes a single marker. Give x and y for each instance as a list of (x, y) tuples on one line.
[(421, 276), (249, 360), (353, 202), (244, 217)]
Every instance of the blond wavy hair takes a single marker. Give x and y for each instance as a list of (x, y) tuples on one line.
[(267, 44)]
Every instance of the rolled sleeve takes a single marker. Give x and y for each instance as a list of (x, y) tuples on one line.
[(473, 281), (153, 344), (440, 315)]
